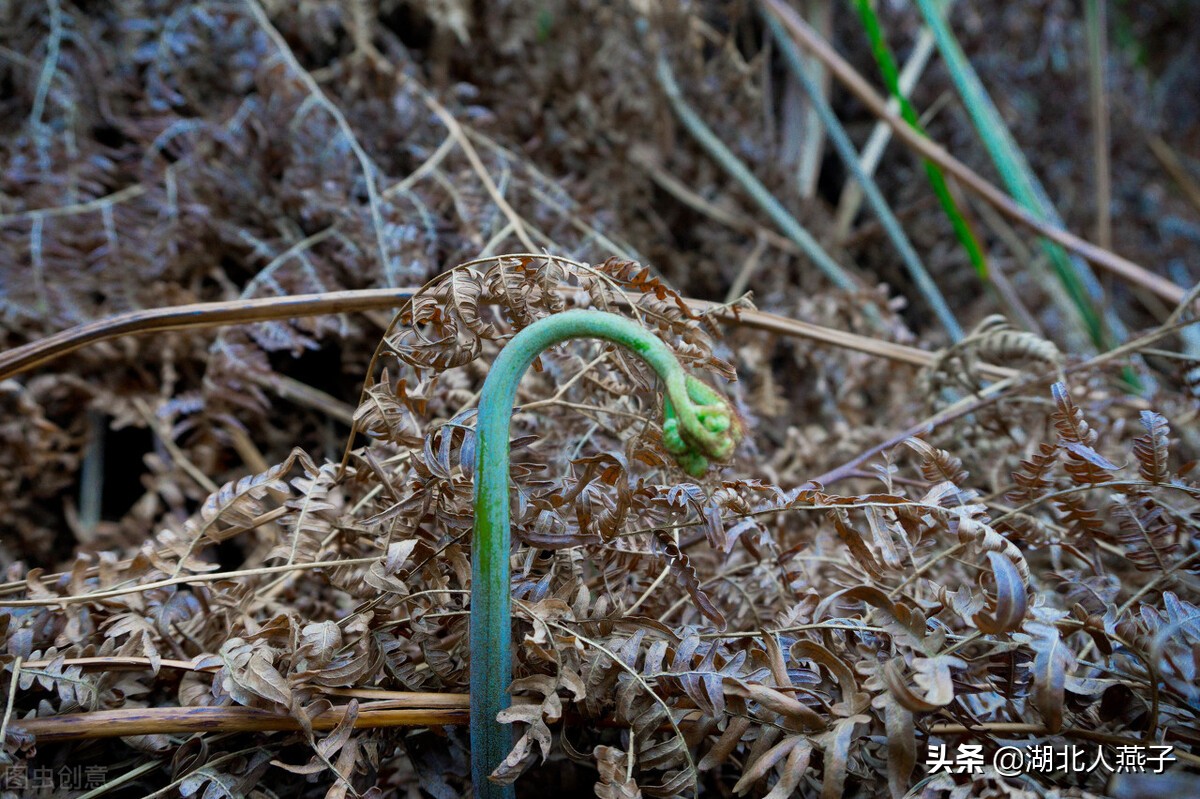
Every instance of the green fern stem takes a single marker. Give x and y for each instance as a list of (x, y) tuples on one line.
[(698, 426)]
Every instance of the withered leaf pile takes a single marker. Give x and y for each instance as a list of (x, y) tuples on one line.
[(733, 629), (256, 541)]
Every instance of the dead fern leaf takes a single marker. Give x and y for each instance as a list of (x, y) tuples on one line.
[(760, 766), (996, 342), (1151, 450), (1006, 612), (938, 465), (1068, 419), (934, 686), (1052, 660), (614, 767), (686, 577), (1031, 476)]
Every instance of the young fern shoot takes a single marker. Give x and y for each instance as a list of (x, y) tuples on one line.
[(699, 426)]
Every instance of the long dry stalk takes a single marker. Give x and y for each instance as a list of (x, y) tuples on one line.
[(1086, 294), (415, 710), (214, 314), (937, 181)]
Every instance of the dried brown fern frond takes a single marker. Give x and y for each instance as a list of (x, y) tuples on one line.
[(995, 341), (1031, 476), (938, 465), (992, 341), (1152, 449)]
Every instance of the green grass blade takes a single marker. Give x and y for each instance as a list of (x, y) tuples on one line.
[(1076, 276), (937, 180)]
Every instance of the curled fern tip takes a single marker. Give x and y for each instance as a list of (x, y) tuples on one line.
[(700, 428)]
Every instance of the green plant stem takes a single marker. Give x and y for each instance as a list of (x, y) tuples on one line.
[(698, 425), (937, 180), (1081, 284)]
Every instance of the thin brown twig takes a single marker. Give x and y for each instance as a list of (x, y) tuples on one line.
[(168, 441), (1163, 577), (215, 314), (193, 316), (997, 390), (119, 663), (293, 390), (98, 204), (12, 697), (749, 266), (116, 782), (680, 191), (959, 409), (455, 129), (415, 710), (1171, 165), (850, 200), (621, 249), (17, 586), (1091, 487)]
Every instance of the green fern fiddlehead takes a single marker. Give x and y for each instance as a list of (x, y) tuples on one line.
[(698, 426)]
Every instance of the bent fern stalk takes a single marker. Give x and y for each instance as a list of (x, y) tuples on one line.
[(698, 426)]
